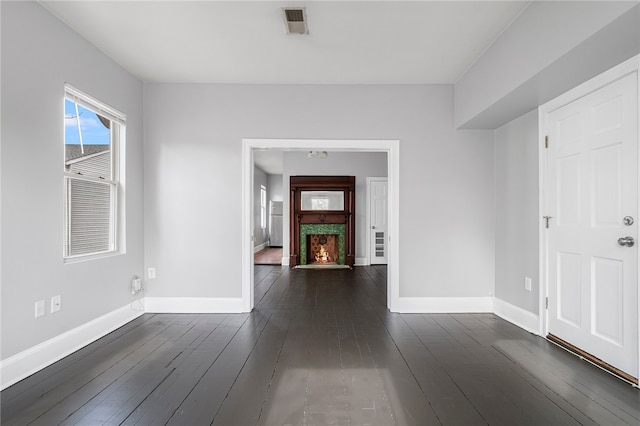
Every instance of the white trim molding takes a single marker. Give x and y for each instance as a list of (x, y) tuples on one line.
[(259, 247), (193, 305), (517, 316), (34, 359), (443, 305), (361, 261)]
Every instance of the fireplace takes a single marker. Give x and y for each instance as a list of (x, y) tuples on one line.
[(322, 244), (322, 249), (322, 220)]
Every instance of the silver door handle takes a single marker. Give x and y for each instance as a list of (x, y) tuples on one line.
[(626, 241), (373, 227)]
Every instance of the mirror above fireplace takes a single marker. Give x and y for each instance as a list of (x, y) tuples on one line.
[(322, 200)]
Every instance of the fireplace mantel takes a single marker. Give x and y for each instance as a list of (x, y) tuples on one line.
[(345, 216)]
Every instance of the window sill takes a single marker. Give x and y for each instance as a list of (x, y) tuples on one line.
[(88, 257)]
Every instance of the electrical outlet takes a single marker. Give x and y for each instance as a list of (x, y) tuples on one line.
[(136, 285), (56, 303), (151, 273), (527, 283), (39, 308)]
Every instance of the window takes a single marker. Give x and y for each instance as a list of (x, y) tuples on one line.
[(263, 206), (94, 132)]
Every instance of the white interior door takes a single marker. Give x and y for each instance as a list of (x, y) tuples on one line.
[(377, 190), (591, 187)]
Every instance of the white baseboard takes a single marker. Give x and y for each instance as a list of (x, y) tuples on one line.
[(29, 361), (433, 305), (285, 261), (193, 305), (259, 247), (517, 316)]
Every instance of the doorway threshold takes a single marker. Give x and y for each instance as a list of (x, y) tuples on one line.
[(322, 267), (592, 359)]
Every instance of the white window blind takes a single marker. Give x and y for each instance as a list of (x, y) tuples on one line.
[(90, 216)]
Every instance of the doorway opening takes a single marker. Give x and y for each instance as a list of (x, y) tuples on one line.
[(390, 147)]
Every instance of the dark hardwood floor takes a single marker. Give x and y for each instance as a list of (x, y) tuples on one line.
[(321, 349)]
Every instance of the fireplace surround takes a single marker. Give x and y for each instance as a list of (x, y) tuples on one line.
[(311, 242), (322, 213)]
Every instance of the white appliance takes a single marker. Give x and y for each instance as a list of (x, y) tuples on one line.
[(275, 223)]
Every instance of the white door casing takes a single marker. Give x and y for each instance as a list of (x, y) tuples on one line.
[(591, 184), (391, 147), (377, 219)]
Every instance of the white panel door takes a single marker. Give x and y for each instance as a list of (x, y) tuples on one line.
[(378, 219), (591, 186)]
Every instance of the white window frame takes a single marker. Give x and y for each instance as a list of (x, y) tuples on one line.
[(263, 207), (118, 126)]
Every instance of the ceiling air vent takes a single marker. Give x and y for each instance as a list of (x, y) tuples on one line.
[(295, 19)]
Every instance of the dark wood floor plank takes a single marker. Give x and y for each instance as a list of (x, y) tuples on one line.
[(286, 396), (208, 393), (86, 373), (244, 403), (527, 391), (321, 348), (585, 384), (410, 404), (448, 401), (480, 364), (134, 388), (136, 363), (378, 275), (587, 401), (158, 406), (265, 281), (47, 375)]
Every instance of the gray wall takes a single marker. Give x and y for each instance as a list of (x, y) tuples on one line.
[(550, 48), (516, 212), (358, 164), (40, 54), (260, 235), (193, 135), (451, 207), (274, 188)]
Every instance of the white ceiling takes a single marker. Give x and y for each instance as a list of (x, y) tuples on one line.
[(269, 160), (367, 42)]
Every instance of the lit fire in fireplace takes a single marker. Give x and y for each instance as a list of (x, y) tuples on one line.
[(322, 249), (322, 256)]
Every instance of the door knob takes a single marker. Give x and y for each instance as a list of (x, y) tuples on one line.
[(626, 241)]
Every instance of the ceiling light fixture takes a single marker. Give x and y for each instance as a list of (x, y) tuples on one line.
[(318, 154)]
